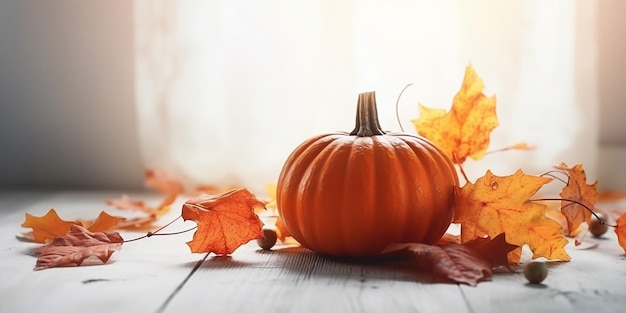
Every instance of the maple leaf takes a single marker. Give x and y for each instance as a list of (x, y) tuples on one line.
[(127, 203), (495, 205), (577, 189), (104, 222), (620, 230), (463, 131), (494, 250), (76, 246), (163, 182), (46, 227), (283, 234), (271, 203), (447, 263), (225, 221)]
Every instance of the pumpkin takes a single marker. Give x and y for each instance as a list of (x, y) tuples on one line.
[(352, 194)]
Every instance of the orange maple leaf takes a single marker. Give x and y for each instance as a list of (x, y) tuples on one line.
[(46, 227), (495, 205), (127, 203), (577, 189), (620, 230), (225, 221), (463, 131), (104, 222), (163, 181), (77, 245)]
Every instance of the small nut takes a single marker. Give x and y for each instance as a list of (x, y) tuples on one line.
[(268, 240), (535, 272), (596, 227)]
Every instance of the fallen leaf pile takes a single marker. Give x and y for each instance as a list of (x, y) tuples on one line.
[(493, 204), (452, 262), (225, 221), (497, 215), (45, 228)]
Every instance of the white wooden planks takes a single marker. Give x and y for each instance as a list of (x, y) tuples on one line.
[(145, 273)]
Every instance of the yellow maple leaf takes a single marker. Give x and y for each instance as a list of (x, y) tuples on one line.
[(465, 130), (495, 205)]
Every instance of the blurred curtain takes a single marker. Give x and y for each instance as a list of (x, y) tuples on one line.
[(226, 89)]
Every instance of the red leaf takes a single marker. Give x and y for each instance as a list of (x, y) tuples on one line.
[(448, 263), (495, 251), (76, 246), (225, 221)]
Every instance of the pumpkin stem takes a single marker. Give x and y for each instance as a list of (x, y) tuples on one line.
[(367, 116)]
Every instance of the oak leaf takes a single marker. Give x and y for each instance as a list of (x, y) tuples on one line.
[(495, 205), (225, 221), (448, 263), (77, 245), (465, 130), (577, 189)]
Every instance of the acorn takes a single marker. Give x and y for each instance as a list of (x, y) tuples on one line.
[(268, 240), (597, 225), (535, 272)]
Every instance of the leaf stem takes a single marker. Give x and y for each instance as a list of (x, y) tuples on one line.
[(398, 104), (155, 233), (602, 221), (456, 161), (550, 173)]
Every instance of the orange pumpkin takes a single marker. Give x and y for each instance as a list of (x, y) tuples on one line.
[(352, 194)]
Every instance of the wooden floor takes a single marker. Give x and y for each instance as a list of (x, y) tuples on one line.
[(159, 274)]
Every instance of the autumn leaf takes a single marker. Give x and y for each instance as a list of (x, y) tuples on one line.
[(577, 189), (127, 203), (271, 203), (495, 251), (104, 222), (465, 130), (495, 205), (620, 230), (225, 221), (76, 246), (448, 263), (46, 227), (163, 182), (283, 234), (208, 189)]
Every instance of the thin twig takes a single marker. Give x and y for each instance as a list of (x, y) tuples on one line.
[(398, 104), (602, 221), (456, 161), (549, 173), (150, 234)]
